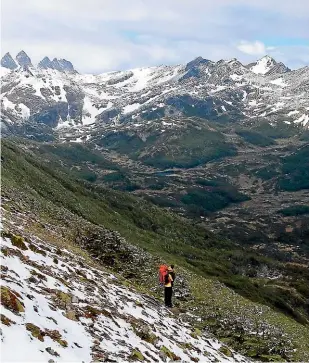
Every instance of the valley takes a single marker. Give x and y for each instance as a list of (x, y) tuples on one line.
[(205, 164)]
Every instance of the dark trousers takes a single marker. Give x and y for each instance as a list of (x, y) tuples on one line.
[(168, 291)]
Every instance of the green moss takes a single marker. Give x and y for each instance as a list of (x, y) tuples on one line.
[(9, 299), (169, 354), (56, 336), (137, 355), (64, 297), (270, 358), (38, 275), (196, 333), (35, 331), (35, 249), (92, 312), (16, 240), (226, 351), (6, 321), (71, 315)]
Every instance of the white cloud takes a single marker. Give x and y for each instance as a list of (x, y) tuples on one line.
[(252, 48)]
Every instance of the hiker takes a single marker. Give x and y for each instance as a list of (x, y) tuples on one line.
[(168, 287), (173, 274)]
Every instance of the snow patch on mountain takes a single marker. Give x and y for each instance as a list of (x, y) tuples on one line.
[(90, 111), (25, 111), (131, 108), (263, 65), (303, 120), (279, 82), (291, 113)]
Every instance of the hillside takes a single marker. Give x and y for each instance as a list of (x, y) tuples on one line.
[(121, 232), (60, 308)]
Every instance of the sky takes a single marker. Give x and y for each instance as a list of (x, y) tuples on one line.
[(106, 35)]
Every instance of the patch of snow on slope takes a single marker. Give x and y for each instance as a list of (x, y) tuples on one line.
[(35, 83), (262, 66), (131, 108), (4, 71), (293, 113), (141, 76), (302, 120), (279, 82), (25, 111), (6, 103), (218, 89), (236, 77), (89, 111)]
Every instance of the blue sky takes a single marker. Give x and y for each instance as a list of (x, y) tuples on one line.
[(104, 35)]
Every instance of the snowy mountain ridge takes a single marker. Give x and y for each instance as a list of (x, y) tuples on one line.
[(54, 94)]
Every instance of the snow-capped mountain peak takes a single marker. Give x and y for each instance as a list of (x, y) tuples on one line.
[(267, 65), (263, 65)]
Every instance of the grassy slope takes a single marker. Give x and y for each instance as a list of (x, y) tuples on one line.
[(57, 199)]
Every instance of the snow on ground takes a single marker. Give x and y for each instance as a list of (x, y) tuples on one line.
[(25, 111), (236, 77), (20, 109), (131, 108), (90, 111), (279, 82), (217, 89), (303, 119), (293, 113), (4, 71), (6, 103), (56, 306)]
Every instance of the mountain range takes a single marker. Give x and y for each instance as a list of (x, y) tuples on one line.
[(55, 94)]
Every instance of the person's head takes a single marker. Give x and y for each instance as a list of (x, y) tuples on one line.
[(170, 269), (172, 266)]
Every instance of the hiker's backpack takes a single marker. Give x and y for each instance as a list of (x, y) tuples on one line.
[(163, 269)]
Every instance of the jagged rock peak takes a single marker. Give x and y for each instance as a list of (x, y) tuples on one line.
[(63, 65), (267, 65), (196, 62), (45, 63), (8, 62), (23, 59)]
